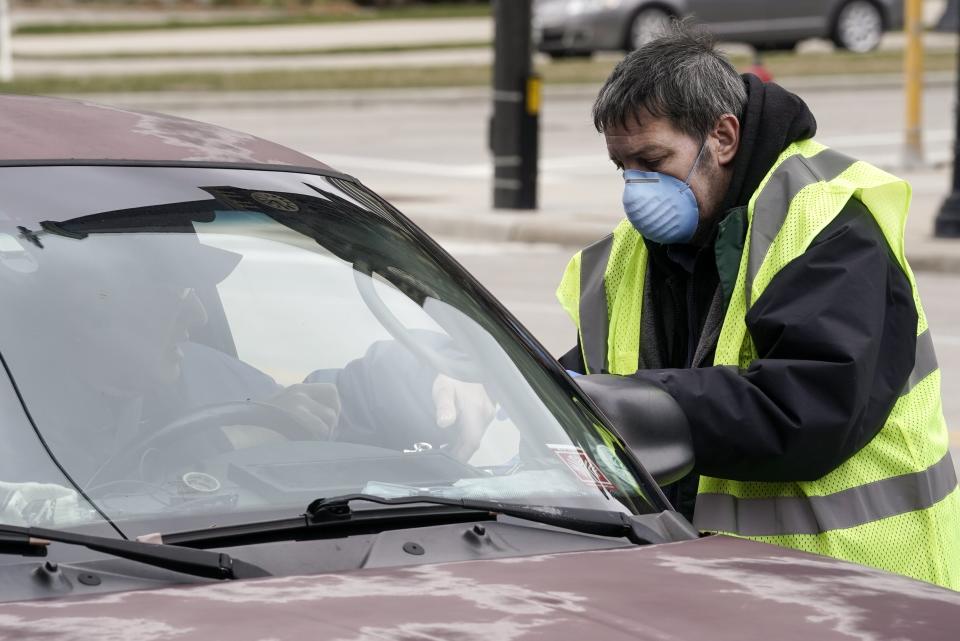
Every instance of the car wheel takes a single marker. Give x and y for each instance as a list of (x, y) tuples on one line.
[(858, 27), (647, 25)]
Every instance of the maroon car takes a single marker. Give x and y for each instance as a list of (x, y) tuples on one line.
[(222, 367)]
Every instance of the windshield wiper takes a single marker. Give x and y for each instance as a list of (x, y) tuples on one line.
[(583, 520), (33, 541), (333, 517)]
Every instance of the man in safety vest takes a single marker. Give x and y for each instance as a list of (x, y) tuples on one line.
[(759, 278)]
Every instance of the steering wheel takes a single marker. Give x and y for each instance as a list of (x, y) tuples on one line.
[(462, 369), (206, 419)]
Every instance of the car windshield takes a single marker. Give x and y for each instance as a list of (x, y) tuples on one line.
[(202, 346)]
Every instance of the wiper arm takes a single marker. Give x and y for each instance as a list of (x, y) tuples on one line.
[(328, 524), (584, 520), (333, 517), (33, 541)]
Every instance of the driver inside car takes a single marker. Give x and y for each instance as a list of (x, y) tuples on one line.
[(130, 366)]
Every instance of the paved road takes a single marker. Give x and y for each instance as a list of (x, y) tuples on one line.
[(430, 157), (524, 278)]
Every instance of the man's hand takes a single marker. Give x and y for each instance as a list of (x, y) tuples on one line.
[(316, 405), (465, 407), (48, 504)]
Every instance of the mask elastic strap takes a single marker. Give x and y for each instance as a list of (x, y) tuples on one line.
[(696, 162)]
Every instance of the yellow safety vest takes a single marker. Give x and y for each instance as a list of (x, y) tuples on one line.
[(895, 504)]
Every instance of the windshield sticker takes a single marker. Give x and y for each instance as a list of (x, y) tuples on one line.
[(581, 465)]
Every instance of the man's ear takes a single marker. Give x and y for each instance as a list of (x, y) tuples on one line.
[(727, 133)]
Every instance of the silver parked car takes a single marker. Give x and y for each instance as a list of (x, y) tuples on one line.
[(580, 27)]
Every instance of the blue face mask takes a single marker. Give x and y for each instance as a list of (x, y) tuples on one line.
[(661, 207)]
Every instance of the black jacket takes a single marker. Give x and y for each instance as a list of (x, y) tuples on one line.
[(835, 331)]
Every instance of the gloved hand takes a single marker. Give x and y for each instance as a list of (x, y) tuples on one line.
[(317, 405), (48, 504), (465, 407)]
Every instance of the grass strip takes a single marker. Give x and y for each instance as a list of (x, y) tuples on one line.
[(384, 78), (272, 53), (358, 15), (844, 62), (567, 72)]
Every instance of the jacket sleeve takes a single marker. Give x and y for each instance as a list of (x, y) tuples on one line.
[(836, 333), (573, 359)]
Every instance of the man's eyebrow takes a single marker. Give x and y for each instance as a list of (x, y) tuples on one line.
[(645, 151)]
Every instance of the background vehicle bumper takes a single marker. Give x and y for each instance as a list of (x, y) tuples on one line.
[(593, 31)]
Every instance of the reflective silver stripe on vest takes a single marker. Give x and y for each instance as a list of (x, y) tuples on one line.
[(593, 304), (771, 206), (816, 514), (925, 362)]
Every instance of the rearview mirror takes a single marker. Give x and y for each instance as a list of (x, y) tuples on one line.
[(649, 420)]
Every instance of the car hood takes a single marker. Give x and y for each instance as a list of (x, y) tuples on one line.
[(36, 128), (716, 588)]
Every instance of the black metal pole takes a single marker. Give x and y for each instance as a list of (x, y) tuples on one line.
[(514, 128), (947, 224)]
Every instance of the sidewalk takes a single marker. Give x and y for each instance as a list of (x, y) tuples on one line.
[(576, 214), (80, 15), (259, 38), (35, 67)]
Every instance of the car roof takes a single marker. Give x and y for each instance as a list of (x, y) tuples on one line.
[(36, 128)]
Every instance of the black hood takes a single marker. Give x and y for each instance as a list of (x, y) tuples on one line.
[(772, 119)]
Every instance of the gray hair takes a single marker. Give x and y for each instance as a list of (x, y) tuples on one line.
[(680, 76)]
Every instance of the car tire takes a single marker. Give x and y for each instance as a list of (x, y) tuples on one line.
[(858, 26), (569, 55), (647, 24), (784, 45)]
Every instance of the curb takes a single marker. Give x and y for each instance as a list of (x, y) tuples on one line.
[(941, 258), (934, 262), (516, 228), (158, 101), (935, 255)]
